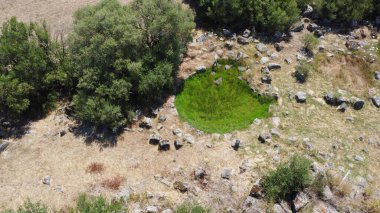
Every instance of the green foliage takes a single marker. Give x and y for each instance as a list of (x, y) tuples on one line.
[(32, 68), (303, 70), (87, 204), (288, 179), (219, 108), (302, 4), (310, 42), (126, 56), (269, 15), (191, 208), (345, 10), (29, 207)]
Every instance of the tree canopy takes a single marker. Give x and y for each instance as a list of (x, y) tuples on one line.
[(126, 56)]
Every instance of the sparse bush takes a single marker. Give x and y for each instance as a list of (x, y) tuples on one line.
[(30, 207), (87, 204), (113, 183), (270, 15), (287, 180), (32, 69), (95, 168), (191, 208), (126, 56), (310, 42), (319, 183), (303, 70)]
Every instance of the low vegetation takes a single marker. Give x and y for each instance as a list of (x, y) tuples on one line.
[(86, 204), (29, 207), (191, 208), (95, 168), (113, 183), (303, 70), (310, 43), (287, 180), (220, 107)]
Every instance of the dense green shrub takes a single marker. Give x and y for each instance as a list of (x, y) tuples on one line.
[(87, 204), (29, 207), (191, 208), (288, 179), (126, 56), (345, 10), (32, 68), (269, 15)]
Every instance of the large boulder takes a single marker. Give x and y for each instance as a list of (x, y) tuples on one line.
[(226, 173), (313, 27), (265, 137), (262, 48), (301, 201), (266, 79), (330, 99), (298, 27), (164, 145), (246, 33), (146, 123), (278, 47)]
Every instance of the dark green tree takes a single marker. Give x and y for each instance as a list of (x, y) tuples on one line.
[(345, 10), (31, 68), (126, 56)]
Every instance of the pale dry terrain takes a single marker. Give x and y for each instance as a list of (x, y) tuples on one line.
[(43, 151)]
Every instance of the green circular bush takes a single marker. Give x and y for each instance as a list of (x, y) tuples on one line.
[(213, 108)]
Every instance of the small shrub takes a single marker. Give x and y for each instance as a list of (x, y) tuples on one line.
[(287, 180), (319, 183), (113, 183), (30, 207), (95, 168), (310, 42), (87, 204), (191, 208), (303, 70)]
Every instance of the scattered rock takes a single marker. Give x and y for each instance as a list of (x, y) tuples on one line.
[(275, 132), (288, 61), (151, 209), (301, 201), (242, 40), (377, 75), (167, 211), (252, 205), (125, 193), (200, 69), (229, 45), (246, 33), (47, 180), (315, 167), (327, 194), (262, 48), (264, 60), (180, 186), (146, 123), (313, 27), (218, 81), (278, 46), (199, 173), (323, 207), (274, 66), (231, 210), (298, 27), (342, 108), (266, 79), (246, 165), (330, 99), (308, 11), (188, 138), (164, 145), (236, 144), (265, 137), (162, 118), (293, 139), (301, 97), (227, 33), (352, 45), (3, 146), (178, 144), (202, 38), (277, 208), (256, 191), (154, 139), (357, 103), (177, 132), (242, 69), (276, 121), (226, 174), (359, 158), (375, 101)]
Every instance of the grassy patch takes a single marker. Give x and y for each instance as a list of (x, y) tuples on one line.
[(87, 204), (220, 108)]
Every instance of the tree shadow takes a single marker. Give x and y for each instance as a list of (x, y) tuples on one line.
[(101, 136)]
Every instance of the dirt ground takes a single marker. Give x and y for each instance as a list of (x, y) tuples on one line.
[(43, 151)]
